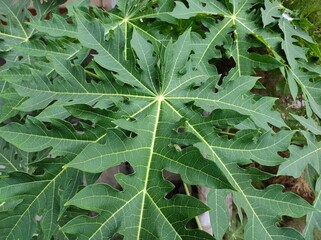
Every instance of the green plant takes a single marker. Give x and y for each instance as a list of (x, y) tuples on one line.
[(160, 85), (310, 19)]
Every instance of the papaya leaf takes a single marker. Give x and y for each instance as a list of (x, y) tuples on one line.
[(109, 119), (302, 156), (236, 31), (309, 124), (313, 218), (57, 26)]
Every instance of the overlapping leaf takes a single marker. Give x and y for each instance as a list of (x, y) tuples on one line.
[(49, 187), (9, 104), (292, 51), (38, 201), (309, 123), (301, 157), (34, 136), (37, 48), (15, 30), (296, 74), (18, 41), (235, 28), (310, 85), (227, 153), (242, 102), (14, 15), (57, 26), (144, 17), (313, 218), (13, 159)]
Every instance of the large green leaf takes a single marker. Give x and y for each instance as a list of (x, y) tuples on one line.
[(137, 86), (147, 156), (174, 81)]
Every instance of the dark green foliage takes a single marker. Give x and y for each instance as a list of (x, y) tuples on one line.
[(158, 87)]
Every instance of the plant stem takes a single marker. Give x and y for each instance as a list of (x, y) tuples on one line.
[(197, 220), (227, 133), (92, 74)]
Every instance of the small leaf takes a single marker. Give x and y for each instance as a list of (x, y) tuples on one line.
[(309, 124), (292, 51), (313, 219), (217, 201), (34, 136), (300, 157), (57, 26), (38, 48), (9, 103), (37, 201), (271, 11)]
